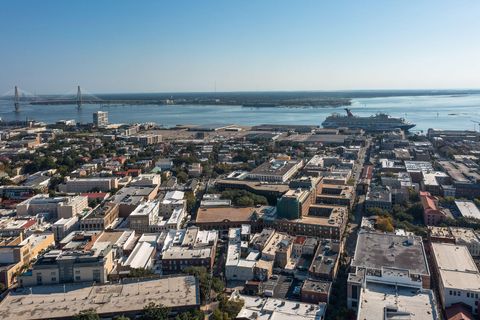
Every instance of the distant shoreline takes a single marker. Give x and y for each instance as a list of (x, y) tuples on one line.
[(288, 99)]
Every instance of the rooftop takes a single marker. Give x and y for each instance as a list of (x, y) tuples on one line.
[(377, 250), (276, 309), (220, 214), (274, 167), (317, 286), (379, 301), (468, 209), (49, 302), (456, 267)]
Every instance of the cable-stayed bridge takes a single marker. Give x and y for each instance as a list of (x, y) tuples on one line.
[(78, 97)]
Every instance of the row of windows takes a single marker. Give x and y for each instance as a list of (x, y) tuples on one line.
[(459, 294)]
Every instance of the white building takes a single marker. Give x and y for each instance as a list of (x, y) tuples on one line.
[(64, 226), (236, 267), (467, 237), (381, 301), (275, 170), (144, 216), (277, 309), (81, 185), (468, 209), (100, 118), (458, 276), (171, 201), (59, 207), (146, 180)]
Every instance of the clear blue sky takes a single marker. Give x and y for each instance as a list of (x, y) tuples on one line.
[(50, 46)]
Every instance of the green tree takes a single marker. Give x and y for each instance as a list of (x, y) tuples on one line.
[(413, 195), (376, 212), (244, 201), (140, 272), (385, 224), (154, 311), (230, 307), (182, 176), (191, 200), (416, 211), (217, 285), (190, 315), (219, 315), (89, 314)]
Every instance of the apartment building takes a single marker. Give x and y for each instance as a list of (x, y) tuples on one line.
[(457, 276), (58, 207), (57, 266), (100, 218), (80, 185), (188, 247)]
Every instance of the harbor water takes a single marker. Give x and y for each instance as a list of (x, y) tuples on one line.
[(439, 111)]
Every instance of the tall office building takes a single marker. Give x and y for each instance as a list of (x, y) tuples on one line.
[(100, 118)]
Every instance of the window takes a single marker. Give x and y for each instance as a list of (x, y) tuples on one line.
[(96, 275), (54, 279), (468, 294), (77, 278), (451, 293)]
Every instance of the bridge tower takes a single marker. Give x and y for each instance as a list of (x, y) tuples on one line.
[(16, 100), (79, 97)]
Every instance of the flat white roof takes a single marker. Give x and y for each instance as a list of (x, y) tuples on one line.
[(145, 208), (456, 266), (275, 309), (468, 209), (460, 280), (453, 257), (140, 256), (411, 304), (174, 195)]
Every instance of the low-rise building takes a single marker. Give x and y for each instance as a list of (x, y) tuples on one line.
[(324, 221), (271, 309), (387, 301), (467, 209), (144, 216), (325, 262), (432, 215), (179, 293), (275, 170), (188, 247), (16, 252), (379, 197), (64, 226), (195, 170), (315, 291), (79, 185), (58, 207), (100, 218), (238, 266), (57, 266), (128, 198), (457, 274), (388, 259)]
